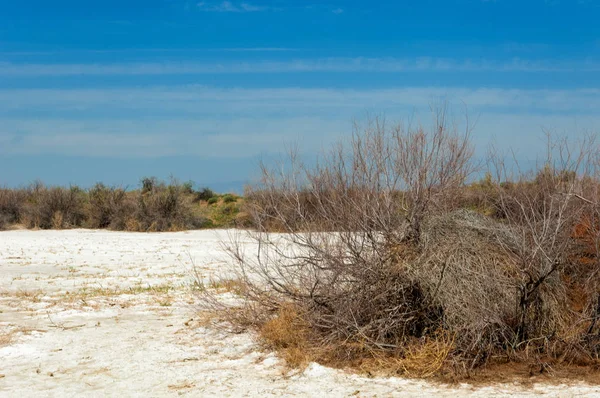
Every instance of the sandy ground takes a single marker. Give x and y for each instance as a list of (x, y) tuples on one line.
[(98, 313)]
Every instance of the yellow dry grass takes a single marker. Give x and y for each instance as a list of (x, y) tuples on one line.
[(288, 333), (423, 359), (8, 337)]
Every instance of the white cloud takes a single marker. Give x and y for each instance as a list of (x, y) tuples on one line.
[(209, 138), (200, 99), (359, 64), (228, 6), (338, 11), (148, 50), (251, 8), (218, 122)]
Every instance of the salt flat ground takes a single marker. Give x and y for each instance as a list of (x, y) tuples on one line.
[(96, 313)]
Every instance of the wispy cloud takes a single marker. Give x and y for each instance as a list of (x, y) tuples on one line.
[(220, 122), (212, 138), (147, 50), (201, 100), (228, 6), (516, 47), (359, 64), (337, 10)]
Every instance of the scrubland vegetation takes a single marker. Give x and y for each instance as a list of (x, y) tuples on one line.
[(155, 206), (390, 254), (390, 258)]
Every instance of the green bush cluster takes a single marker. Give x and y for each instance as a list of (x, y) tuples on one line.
[(229, 198)]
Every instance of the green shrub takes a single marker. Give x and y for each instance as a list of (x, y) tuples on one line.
[(229, 209), (204, 194), (228, 198), (188, 188), (208, 223), (213, 200), (225, 215)]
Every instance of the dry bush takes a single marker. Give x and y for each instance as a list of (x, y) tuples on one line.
[(479, 196), (243, 220), (361, 257), (53, 207), (11, 206), (157, 206), (164, 207), (388, 179), (384, 266), (471, 279), (544, 210), (109, 207)]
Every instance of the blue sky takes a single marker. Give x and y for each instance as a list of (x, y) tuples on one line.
[(115, 90)]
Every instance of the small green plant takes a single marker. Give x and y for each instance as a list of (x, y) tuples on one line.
[(229, 209), (188, 187), (213, 200), (228, 198), (208, 223)]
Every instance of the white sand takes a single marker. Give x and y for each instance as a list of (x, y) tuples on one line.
[(98, 313)]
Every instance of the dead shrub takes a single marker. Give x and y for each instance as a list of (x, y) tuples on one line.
[(58, 207), (243, 220), (109, 207), (544, 209), (355, 247), (58, 220), (11, 206), (385, 266), (132, 225), (165, 207)]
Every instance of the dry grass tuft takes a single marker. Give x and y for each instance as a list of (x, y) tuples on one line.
[(184, 385), (35, 296), (423, 358), (6, 338), (287, 333)]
